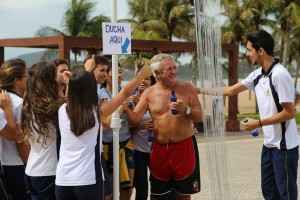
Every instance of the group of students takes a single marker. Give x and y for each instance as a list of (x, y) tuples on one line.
[(64, 140), (51, 129)]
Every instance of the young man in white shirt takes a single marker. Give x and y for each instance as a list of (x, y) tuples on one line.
[(274, 91)]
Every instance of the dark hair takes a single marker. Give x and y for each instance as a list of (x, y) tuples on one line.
[(58, 62), (262, 39), (10, 70), (109, 68), (99, 60), (82, 101), (77, 67), (41, 103)]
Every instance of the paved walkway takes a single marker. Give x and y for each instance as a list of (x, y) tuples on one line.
[(244, 167)]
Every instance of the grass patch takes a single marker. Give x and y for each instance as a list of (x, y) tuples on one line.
[(256, 116)]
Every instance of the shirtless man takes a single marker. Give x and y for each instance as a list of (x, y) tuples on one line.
[(174, 159)]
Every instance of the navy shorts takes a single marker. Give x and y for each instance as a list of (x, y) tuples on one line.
[(107, 183), (91, 192), (279, 171), (3, 189), (14, 179), (41, 187)]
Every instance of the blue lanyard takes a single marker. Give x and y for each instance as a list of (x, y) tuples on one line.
[(108, 93)]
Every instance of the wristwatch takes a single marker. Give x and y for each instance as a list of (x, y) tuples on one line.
[(188, 110)]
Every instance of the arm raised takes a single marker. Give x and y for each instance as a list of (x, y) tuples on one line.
[(109, 107)]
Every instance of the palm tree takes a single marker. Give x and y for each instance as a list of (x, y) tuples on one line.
[(77, 21), (163, 18), (287, 13)]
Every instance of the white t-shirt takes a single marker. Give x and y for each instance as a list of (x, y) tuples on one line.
[(124, 133), (42, 161), (140, 138), (269, 103), (10, 154), (76, 166), (3, 121)]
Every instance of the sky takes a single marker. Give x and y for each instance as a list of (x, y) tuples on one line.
[(22, 18)]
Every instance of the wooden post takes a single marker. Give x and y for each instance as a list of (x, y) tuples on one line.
[(233, 124), (1, 55)]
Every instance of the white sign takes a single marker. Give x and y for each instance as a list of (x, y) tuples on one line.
[(116, 38)]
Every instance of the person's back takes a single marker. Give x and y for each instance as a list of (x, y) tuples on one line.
[(77, 153)]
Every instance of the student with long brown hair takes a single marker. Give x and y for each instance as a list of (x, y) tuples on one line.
[(61, 65), (79, 170), (39, 124)]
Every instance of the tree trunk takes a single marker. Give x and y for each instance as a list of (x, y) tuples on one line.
[(285, 49), (75, 58), (297, 73), (193, 68)]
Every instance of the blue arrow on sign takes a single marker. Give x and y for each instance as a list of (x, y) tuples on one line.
[(125, 45)]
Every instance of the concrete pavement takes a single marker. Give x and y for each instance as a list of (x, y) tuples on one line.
[(243, 152)]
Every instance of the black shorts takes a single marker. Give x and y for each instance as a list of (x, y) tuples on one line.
[(3, 189), (185, 186), (91, 192)]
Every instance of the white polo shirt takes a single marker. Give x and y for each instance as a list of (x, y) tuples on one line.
[(272, 88), (10, 154)]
